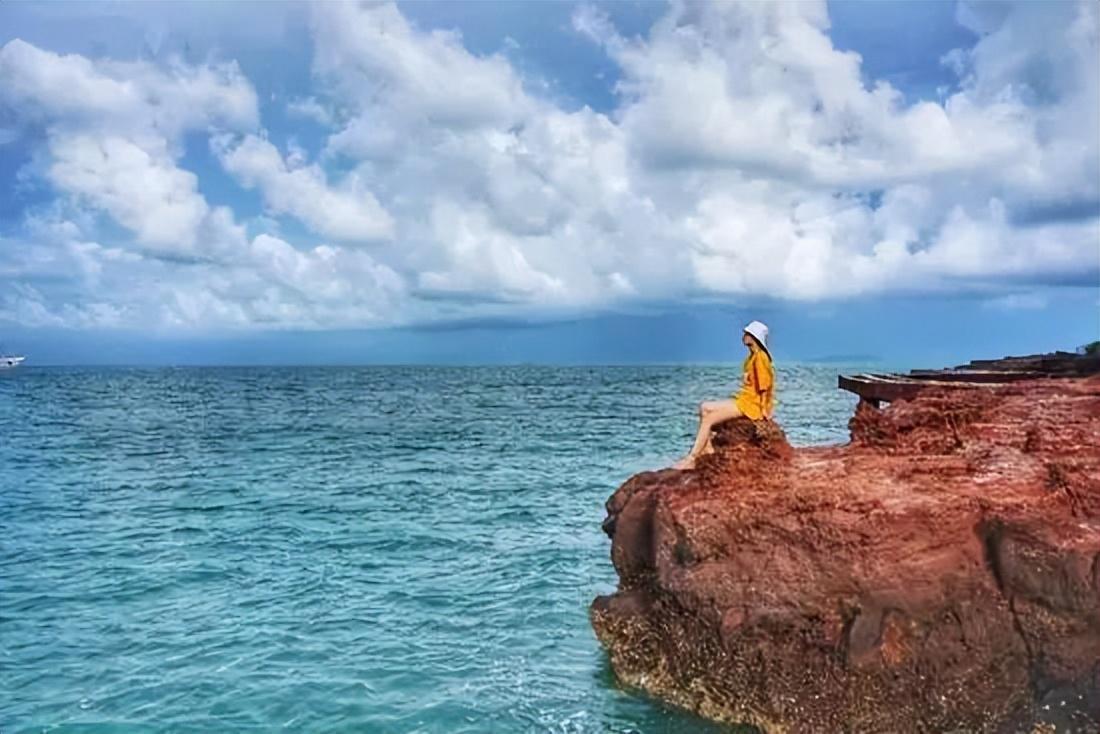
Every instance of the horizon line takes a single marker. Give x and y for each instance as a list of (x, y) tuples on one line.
[(231, 365)]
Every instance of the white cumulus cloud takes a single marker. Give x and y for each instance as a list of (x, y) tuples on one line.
[(349, 212), (746, 156)]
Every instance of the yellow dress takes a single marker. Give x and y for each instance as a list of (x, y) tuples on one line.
[(757, 394)]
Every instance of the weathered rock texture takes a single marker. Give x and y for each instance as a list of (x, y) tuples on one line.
[(939, 573)]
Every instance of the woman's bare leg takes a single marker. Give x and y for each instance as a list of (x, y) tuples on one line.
[(711, 413)]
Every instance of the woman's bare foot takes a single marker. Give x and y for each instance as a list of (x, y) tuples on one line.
[(685, 464)]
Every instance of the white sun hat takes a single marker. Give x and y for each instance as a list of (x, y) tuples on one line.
[(759, 331)]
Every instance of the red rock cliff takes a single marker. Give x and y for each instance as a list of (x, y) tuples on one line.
[(939, 573)]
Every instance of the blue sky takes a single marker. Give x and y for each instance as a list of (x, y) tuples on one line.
[(546, 182)]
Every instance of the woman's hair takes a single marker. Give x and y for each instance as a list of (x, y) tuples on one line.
[(759, 344)]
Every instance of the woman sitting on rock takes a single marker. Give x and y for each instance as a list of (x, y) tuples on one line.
[(755, 400)]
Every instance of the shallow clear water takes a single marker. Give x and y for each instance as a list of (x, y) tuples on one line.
[(398, 549)]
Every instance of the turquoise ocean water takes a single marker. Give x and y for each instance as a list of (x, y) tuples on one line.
[(377, 549)]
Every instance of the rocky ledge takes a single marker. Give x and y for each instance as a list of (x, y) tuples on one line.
[(941, 572)]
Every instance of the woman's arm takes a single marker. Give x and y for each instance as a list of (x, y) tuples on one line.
[(764, 385)]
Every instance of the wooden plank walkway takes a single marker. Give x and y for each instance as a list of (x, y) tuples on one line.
[(878, 388)]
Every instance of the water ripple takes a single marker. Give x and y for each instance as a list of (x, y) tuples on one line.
[(375, 549)]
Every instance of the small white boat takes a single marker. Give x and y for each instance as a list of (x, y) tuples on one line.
[(7, 362)]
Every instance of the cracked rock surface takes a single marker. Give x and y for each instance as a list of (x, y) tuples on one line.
[(939, 573)]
